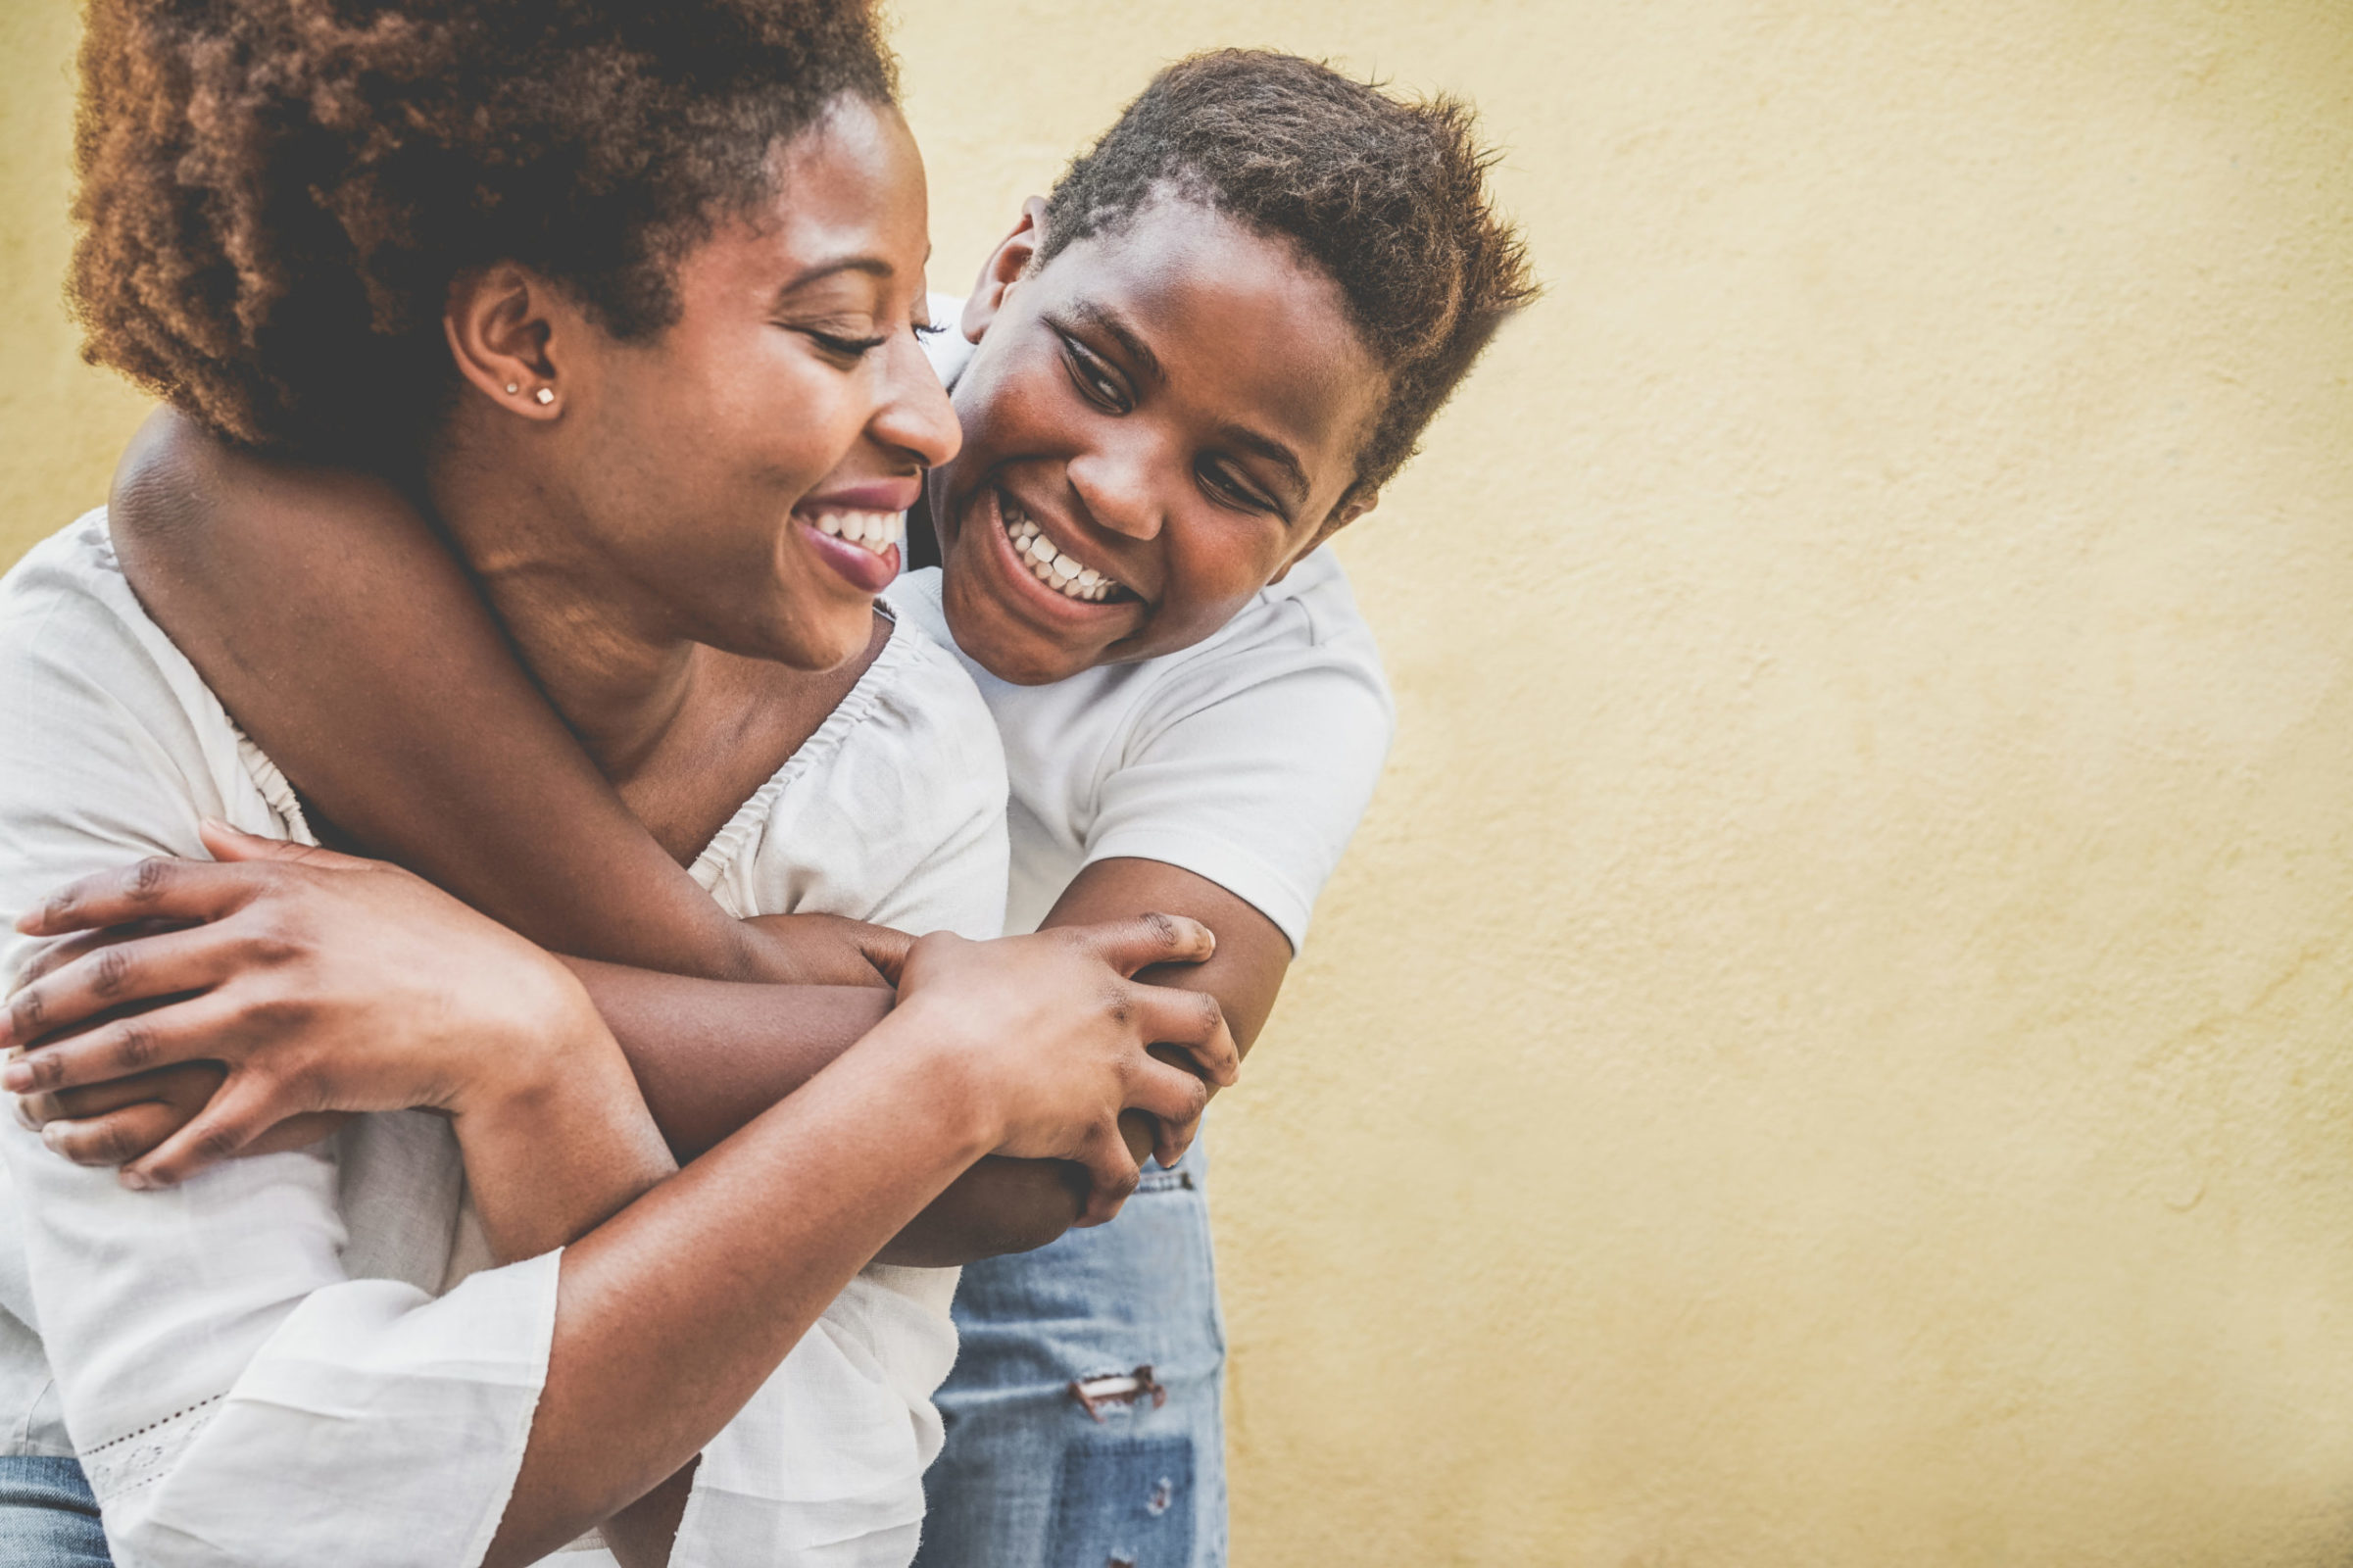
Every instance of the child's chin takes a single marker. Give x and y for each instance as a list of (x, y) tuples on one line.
[(1030, 659)]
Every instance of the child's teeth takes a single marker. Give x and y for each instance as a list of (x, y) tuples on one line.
[(1050, 566)]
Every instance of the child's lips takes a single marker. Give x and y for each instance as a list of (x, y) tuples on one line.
[(1048, 562)]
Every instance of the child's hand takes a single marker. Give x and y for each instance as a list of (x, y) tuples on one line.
[(825, 950), (320, 983), (116, 1122), (1057, 1039)]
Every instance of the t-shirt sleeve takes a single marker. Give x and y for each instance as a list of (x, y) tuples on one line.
[(237, 1397), (1252, 769)]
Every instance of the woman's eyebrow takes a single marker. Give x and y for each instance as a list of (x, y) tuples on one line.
[(872, 265)]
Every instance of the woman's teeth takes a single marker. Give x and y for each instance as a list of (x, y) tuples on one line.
[(874, 530), (1051, 568)]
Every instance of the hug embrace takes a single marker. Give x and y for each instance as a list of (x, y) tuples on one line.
[(514, 806)]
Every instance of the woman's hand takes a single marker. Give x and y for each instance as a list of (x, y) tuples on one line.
[(1055, 1039), (318, 983)]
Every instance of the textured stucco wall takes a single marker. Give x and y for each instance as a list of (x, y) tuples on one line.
[(1832, 1046)]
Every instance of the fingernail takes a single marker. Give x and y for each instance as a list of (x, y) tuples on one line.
[(24, 1113), (139, 1181), (52, 1135), (16, 1077)]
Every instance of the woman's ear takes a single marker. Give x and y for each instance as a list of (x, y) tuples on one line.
[(1008, 264), (505, 327)]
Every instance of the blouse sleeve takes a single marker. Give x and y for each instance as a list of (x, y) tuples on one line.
[(236, 1395)]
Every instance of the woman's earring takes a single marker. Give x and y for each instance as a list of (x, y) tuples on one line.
[(512, 389), (544, 396)]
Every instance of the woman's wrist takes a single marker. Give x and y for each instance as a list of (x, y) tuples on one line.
[(948, 1077), (550, 1039), (558, 1141)]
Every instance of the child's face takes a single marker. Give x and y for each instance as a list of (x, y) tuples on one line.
[(1173, 410)]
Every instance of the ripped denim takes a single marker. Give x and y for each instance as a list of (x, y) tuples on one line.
[(1084, 1415)]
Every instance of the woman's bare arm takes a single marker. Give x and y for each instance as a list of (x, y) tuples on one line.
[(380, 992)]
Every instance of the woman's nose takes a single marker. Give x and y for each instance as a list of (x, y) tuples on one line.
[(915, 415)]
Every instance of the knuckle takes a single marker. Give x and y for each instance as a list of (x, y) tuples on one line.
[(271, 943), (271, 1015), (136, 1044), (109, 973), (28, 1010), (219, 1141), (149, 878), (48, 1068), (109, 1142), (1165, 929)]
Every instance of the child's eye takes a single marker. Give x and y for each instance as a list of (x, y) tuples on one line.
[(1230, 489), (1095, 381)]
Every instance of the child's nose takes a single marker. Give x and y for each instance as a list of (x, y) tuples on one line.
[(1121, 489)]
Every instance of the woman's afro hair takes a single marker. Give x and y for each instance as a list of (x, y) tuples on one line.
[(1389, 197), (276, 194)]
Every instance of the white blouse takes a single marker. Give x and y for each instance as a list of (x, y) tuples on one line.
[(296, 1358)]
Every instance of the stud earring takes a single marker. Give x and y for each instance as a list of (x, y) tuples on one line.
[(544, 396), (512, 389)]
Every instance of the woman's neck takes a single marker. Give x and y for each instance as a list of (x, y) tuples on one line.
[(601, 651)]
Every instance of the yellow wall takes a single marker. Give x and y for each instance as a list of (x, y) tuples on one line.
[(1831, 1048)]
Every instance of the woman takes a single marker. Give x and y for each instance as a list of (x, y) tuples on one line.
[(630, 304)]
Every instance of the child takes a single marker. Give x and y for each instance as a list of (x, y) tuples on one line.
[(1183, 370)]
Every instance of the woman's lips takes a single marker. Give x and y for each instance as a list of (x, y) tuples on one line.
[(867, 571)]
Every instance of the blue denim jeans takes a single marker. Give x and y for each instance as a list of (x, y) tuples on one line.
[(48, 1518), (1062, 1451)]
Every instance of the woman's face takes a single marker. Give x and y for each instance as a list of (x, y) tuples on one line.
[(1156, 424), (740, 476)]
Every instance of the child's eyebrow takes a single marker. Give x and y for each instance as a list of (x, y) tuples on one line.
[(1113, 325), (1295, 475)]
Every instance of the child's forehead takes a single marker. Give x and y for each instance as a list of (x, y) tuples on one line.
[(1185, 277)]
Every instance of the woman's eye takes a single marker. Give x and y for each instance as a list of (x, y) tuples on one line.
[(847, 348)]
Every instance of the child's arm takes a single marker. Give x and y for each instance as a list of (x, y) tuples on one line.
[(338, 576), (1252, 955)]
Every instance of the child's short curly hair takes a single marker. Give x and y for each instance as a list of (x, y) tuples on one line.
[(1387, 196), (276, 194)]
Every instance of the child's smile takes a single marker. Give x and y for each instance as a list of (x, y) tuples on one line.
[(1157, 422)]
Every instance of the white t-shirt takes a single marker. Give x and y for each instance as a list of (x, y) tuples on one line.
[(1247, 759), (286, 1360)]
